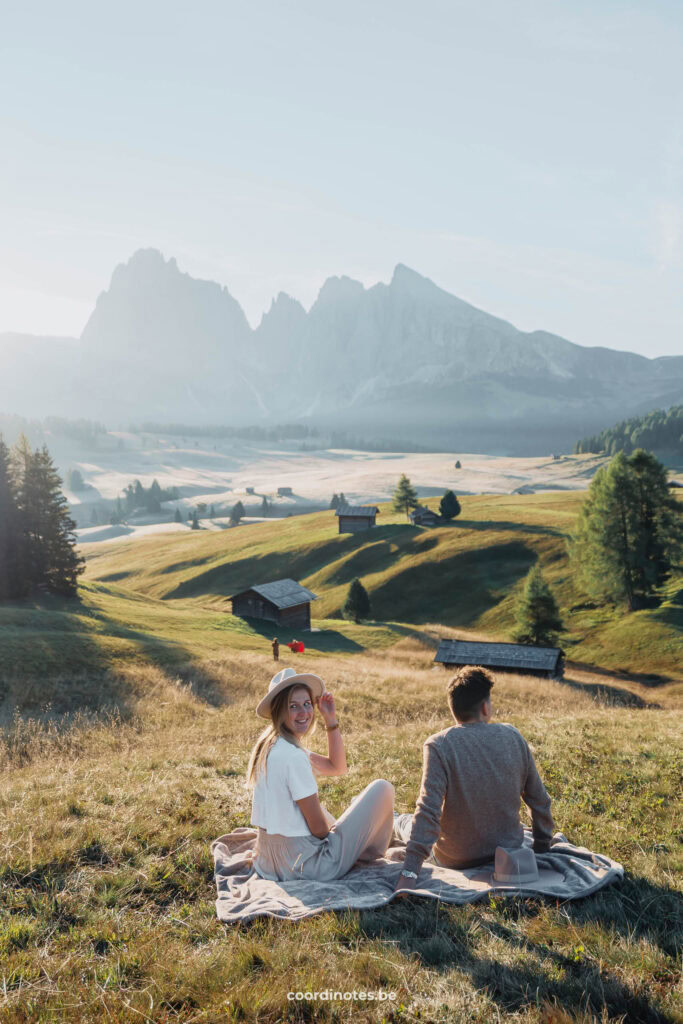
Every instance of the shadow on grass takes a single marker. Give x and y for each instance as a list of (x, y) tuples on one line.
[(299, 563), (231, 577), (644, 678), (457, 589), (54, 664), (531, 972), (614, 696), (496, 526), (326, 640)]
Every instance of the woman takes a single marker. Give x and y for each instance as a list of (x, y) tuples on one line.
[(297, 837)]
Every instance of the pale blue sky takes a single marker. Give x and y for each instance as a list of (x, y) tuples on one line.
[(526, 156)]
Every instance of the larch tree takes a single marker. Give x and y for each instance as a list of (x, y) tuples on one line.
[(405, 496), (629, 532)]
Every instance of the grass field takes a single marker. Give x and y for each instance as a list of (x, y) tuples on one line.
[(106, 874), (465, 575), (128, 718)]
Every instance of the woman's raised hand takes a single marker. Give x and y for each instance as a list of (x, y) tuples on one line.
[(326, 707)]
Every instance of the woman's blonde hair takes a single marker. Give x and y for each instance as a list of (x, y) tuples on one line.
[(277, 728)]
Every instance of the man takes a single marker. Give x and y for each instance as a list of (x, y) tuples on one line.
[(473, 777), (276, 649)]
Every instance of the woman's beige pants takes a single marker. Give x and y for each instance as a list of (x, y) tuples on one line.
[(361, 834)]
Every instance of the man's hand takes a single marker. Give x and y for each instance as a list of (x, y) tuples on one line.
[(405, 885)]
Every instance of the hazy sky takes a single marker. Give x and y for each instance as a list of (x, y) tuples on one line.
[(527, 156)]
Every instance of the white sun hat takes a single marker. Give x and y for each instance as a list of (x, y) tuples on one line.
[(289, 677), (515, 867)]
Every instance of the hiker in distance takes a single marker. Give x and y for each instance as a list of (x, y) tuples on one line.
[(474, 776), (297, 837)]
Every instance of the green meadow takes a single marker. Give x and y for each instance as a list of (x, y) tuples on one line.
[(128, 719)]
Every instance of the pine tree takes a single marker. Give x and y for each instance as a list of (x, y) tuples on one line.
[(177, 518), (11, 538), (153, 497), (94, 516), (194, 523), (405, 496), (457, 464), (334, 501), (265, 508), (49, 531), (212, 513), (236, 514), (537, 614), (342, 500), (357, 605), (449, 506), (630, 531), (75, 480)]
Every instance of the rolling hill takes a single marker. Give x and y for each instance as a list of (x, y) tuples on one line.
[(465, 575)]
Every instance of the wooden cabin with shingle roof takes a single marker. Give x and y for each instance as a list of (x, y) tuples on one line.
[(284, 602), (355, 518), (423, 516), (523, 658)]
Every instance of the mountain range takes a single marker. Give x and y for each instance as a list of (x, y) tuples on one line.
[(404, 360)]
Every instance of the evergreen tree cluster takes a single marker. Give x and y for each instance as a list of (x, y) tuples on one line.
[(279, 432), (147, 499), (630, 531), (39, 432), (37, 539), (661, 430)]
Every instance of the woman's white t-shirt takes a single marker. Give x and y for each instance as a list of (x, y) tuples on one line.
[(288, 777)]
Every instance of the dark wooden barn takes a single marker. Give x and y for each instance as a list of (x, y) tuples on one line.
[(284, 492), (535, 661), (284, 602), (354, 518), (423, 516)]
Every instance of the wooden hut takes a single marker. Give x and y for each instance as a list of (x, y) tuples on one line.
[(284, 602), (355, 518), (534, 661), (423, 516), (284, 492)]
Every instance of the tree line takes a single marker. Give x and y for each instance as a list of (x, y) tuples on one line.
[(39, 431), (37, 538), (255, 432), (661, 430)]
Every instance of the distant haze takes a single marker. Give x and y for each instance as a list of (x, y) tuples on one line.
[(527, 157), (404, 360)]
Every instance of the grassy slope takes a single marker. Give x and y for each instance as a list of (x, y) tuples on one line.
[(465, 575), (106, 876), (106, 891)]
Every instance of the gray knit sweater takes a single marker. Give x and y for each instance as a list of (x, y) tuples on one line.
[(472, 780)]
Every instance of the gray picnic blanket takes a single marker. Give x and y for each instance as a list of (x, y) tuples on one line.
[(567, 872)]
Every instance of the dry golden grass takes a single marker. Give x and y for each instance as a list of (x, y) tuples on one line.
[(107, 889)]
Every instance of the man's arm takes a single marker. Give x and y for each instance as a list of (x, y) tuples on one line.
[(427, 818), (537, 800)]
